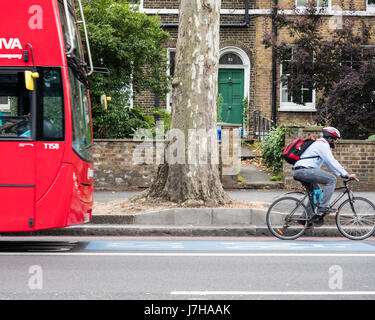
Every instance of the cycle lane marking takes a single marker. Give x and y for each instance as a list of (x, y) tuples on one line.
[(190, 254), (212, 245)]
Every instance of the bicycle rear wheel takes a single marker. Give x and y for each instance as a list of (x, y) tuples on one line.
[(287, 218), (357, 221)]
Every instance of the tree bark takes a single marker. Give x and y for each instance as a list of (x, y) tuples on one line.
[(191, 170)]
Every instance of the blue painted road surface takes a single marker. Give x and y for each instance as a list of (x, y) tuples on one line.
[(196, 245)]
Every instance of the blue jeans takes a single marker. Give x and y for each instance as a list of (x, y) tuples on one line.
[(317, 176)]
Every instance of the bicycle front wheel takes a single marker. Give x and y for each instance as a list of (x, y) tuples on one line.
[(287, 218), (356, 220)]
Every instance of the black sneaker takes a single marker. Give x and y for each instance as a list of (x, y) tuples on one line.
[(323, 211)]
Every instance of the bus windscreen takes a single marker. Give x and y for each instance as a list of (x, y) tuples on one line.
[(15, 102), (16, 110)]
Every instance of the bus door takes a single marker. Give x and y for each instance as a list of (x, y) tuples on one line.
[(17, 152)]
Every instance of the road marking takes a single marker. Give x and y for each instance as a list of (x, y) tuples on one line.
[(198, 245), (187, 254), (274, 293)]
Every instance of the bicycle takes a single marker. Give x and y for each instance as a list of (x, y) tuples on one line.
[(289, 217)]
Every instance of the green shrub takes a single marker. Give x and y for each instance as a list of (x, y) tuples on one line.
[(277, 177), (164, 116), (272, 148), (371, 138), (119, 122)]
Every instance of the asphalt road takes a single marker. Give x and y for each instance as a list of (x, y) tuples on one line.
[(186, 268)]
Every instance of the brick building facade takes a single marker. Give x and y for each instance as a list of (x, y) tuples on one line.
[(245, 64)]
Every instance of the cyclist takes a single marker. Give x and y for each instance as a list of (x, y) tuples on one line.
[(308, 170)]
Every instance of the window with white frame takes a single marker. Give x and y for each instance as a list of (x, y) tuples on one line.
[(230, 58), (367, 53), (128, 92), (286, 99), (319, 3), (371, 5), (170, 71)]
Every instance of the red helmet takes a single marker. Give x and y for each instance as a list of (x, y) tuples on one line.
[(331, 132)]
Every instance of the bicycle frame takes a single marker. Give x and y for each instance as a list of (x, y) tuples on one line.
[(351, 222), (341, 195), (309, 194)]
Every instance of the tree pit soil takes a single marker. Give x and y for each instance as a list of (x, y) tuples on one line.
[(144, 205)]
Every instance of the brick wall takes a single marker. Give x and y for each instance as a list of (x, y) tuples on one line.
[(114, 168), (356, 156), (243, 38), (262, 91), (132, 164), (161, 4)]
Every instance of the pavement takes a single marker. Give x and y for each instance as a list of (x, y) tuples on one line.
[(253, 178), (257, 179), (189, 222)]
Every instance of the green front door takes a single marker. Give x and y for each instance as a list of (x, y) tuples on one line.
[(231, 86)]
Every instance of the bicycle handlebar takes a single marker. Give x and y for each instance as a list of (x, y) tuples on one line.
[(350, 179)]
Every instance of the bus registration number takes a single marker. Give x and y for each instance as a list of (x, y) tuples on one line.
[(51, 146)]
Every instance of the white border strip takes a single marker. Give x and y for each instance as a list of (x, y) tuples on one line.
[(274, 293)]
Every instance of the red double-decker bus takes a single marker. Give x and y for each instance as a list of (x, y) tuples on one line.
[(46, 166)]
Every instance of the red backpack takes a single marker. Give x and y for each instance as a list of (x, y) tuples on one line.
[(293, 151)]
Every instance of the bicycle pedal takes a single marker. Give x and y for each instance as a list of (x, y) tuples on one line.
[(317, 221)]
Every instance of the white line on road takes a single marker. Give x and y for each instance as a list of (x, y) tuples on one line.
[(274, 293), (186, 254)]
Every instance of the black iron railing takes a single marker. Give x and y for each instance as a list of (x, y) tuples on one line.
[(261, 126)]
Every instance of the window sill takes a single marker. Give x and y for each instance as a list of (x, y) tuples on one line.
[(297, 108)]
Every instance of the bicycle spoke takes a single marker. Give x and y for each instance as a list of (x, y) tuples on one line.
[(356, 220), (370, 220), (286, 218)]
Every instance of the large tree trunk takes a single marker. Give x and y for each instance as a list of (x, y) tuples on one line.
[(191, 170)]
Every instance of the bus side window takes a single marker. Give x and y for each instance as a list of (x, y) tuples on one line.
[(81, 119), (51, 105)]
